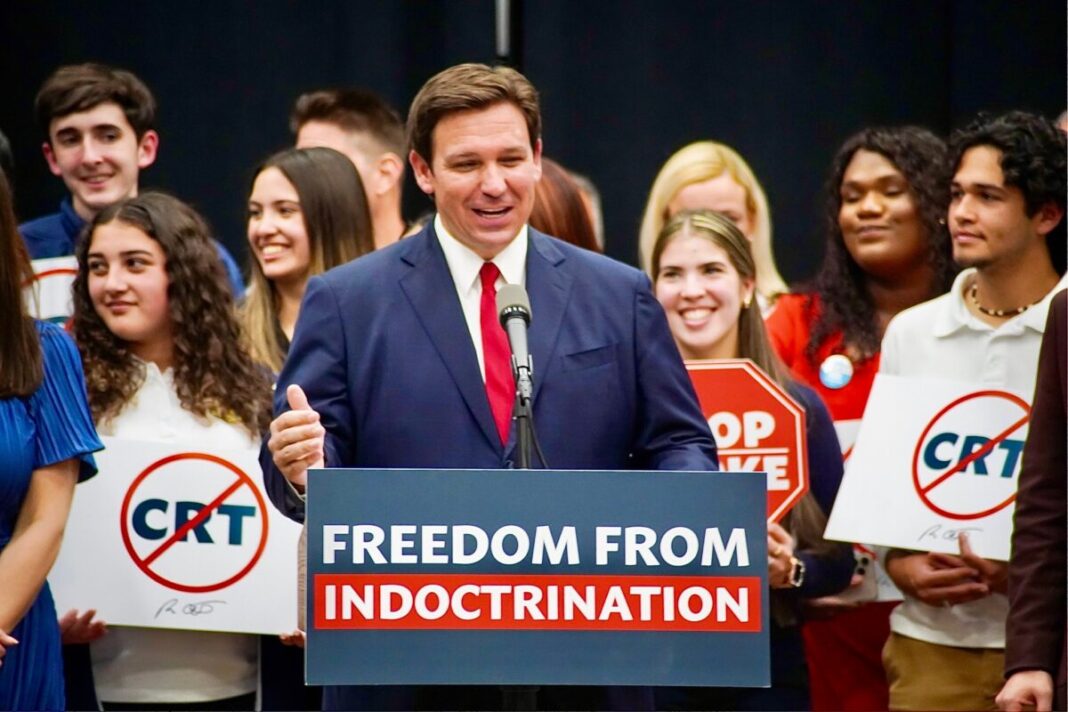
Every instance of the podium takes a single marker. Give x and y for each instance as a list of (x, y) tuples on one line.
[(536, 577)]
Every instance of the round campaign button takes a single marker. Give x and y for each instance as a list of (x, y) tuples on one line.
[(836, 371)]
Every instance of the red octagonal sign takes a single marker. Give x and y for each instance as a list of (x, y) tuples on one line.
[(757, 425)]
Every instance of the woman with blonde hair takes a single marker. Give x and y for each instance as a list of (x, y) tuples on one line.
[(712, 176)]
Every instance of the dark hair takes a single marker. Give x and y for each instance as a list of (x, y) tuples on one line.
[(213, 374), (465, 87), (7, 160), (355, 110), (337, 221), (1032, 159), (845, 304), (21, 365), (559, 209), (80, 87)]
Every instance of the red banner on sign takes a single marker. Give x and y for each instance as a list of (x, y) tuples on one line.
[(537, 602), (758, 427)]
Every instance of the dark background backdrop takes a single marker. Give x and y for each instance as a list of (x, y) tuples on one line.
[(624, 83)]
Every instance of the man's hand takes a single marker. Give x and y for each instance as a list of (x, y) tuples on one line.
[(1027, 689), (76, 629), (297, 438), (995, 574), (937, 579), (6, 641)]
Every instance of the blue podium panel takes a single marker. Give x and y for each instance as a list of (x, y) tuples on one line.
[(537, 577)]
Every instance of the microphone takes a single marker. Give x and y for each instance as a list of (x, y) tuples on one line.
[(513, 309)]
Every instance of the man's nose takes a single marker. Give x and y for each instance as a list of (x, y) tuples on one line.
[(493, 182)]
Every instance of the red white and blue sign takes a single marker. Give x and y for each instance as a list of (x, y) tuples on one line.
[(536, 577)]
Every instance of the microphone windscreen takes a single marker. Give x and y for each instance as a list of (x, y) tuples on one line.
[(512, 299)]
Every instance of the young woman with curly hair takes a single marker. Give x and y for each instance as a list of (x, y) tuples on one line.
[(161, 345), (887, 249)]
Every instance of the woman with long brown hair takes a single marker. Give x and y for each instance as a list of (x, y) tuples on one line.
[(705, 278), (46, 441), (307, 213), (164, 361)]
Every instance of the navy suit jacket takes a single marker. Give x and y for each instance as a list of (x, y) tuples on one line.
[(384, 355)]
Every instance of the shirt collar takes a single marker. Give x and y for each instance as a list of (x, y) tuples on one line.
[(957, 316), (464, 264)]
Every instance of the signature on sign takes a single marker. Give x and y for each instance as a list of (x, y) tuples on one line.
[(938, 531), (175, 607)]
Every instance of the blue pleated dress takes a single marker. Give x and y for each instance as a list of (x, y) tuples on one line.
[(50, 426)]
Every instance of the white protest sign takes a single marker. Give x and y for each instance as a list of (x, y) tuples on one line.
[(173, 536), (50, 291), (933, 459)]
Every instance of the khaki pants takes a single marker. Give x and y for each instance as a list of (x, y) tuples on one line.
[(927, 676)]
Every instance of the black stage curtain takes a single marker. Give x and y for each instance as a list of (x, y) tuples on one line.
[(623, 83)]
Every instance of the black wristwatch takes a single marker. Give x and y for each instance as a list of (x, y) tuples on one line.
[(797, 572)]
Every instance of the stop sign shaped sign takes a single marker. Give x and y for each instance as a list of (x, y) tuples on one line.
[(757, 425)]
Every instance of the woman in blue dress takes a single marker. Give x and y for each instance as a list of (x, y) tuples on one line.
[(46, 441)]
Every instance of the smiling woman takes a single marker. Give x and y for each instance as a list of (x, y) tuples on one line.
[(155, 323), (307, 213), (705, 278)]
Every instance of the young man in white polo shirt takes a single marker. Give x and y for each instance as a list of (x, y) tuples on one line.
[(1007, 206)]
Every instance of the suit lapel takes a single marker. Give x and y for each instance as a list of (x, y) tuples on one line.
[(549, 285), (430, 289)]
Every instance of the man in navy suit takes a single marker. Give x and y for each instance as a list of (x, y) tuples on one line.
[(397, 357)]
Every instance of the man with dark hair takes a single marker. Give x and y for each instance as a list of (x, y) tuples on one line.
[(946, 648), (370, 132), (99, 128), (398, 359)]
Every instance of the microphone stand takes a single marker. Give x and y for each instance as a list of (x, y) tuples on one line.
[(523, 411), (522, 697)]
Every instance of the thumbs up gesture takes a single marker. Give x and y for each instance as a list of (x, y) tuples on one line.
[(297, 437)]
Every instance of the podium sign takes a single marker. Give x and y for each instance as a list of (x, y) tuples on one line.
[(536, 577)]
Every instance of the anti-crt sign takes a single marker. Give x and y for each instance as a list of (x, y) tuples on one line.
[(757, 425), (933, 459), (174, 536)]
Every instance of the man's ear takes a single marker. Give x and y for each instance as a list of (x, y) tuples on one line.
[(389, 170), (147, 149), (1047, 217), (424, 177), (50, 159)]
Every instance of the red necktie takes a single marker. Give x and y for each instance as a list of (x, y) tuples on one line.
[(500, 388)]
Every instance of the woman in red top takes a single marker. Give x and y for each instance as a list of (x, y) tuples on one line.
[(887, 250)]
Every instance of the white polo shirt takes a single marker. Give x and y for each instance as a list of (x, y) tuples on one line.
[(942, 339)]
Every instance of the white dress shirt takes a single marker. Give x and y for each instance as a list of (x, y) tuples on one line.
[(465, 265)]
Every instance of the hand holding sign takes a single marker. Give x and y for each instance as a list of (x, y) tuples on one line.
[(995, 574), (75, 629), (297, 438), (936, 579), (780, 556)]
